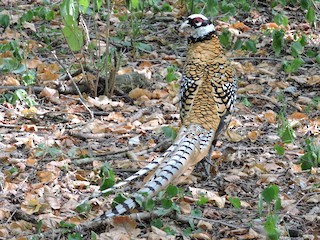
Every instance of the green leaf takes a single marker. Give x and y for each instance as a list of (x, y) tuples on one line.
[(157, 223), (187, 232), (83, 208), (245, 101), (29, 78), (318, 58), (235, 202), (69, 11), (169, 132), (39, 226), (279, 149), (171, 74), (311, 15), (98, 4), (144, 47), (30, 101), (169, 231), (74, 36), (108, 177), (294, 65), (225, 38), (277, 205), (149, 204), (237, 44), (134, 3), (202, 201), (296, 49), (64, 224), (18, 95), (277, 41), (305, 4), (83, 5), (4, 20), (75, 236), (171, 191), (93, 236), (280, 19), (118, 200), (270, 193), (303, 40), (251, 46), (270, 227), (166, 203)]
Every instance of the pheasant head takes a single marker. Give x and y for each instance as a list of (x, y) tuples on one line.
[(200, 25)]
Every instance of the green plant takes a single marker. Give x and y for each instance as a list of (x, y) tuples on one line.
[(236, 203), (172, 74), (107, 176), (43, 150), (19, 95), (12, 62), (245, 101), (270, 195), (169, 132), (311, 156)]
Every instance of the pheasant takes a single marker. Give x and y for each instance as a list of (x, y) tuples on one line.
[(207, 96)]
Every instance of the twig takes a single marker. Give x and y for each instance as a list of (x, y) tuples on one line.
[(303, 197), (186, 219), (36, 89), (74, 84), (256, 58), (148, 150)]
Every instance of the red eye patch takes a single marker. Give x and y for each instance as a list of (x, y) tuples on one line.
[(197, 20)]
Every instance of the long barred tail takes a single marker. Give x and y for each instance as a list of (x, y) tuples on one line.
[(190, 147), (149, 167)]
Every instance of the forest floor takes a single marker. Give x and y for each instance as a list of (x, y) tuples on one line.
[(52, 152)]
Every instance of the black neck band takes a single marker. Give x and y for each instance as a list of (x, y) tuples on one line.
[(208, 36)]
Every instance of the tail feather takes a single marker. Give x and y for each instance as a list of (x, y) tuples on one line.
[(148, 168), (190, 147)]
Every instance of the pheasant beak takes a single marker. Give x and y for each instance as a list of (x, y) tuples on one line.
[(184, 25)]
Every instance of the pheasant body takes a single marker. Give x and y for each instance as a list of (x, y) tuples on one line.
[(207, 95)]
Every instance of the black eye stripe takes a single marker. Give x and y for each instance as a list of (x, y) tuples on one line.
[(194, 21)]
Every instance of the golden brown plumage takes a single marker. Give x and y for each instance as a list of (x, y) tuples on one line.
[(207, 96)]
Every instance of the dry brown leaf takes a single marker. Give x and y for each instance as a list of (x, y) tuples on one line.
[(298, 116), (201, 236), (139, 92), (232, 136), (158, 234), (271, 25), (4, 233), (313, 80), (232, 178), (210, 195), (30, 113), (204, 225), (50, 198), (45, 176), (29, 128), (33, 63), (296, 168), (185, 207), (115, 116), (124, 221), (251, 89), (31, 206), (240, 26), (216, 155), (10, 81), (253, 135), (270, 116)]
